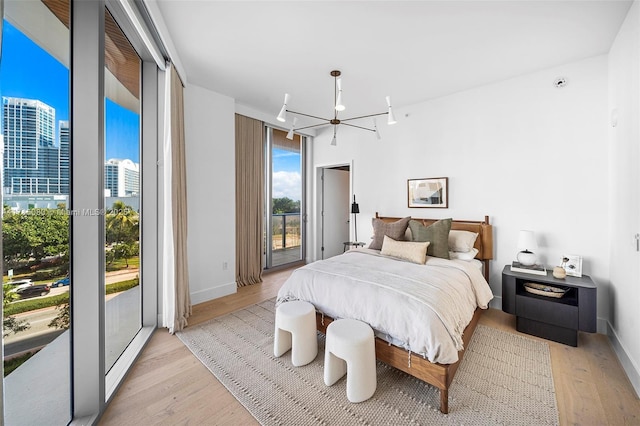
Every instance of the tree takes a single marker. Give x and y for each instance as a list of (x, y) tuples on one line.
[(36, 233), (61, 320), (285, 205), (11, 324), (122, 230), (121, 223)]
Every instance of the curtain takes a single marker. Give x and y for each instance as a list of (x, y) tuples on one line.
[(249, 200), (176, 297)]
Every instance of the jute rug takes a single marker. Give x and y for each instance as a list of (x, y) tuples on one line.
[(503, 379)]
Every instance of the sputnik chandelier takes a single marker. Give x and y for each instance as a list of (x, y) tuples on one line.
[(339, 107)]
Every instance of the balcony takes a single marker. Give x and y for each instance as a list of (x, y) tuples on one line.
[(286, 238)]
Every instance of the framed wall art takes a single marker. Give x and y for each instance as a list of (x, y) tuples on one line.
[(572, 265), (428, 192)]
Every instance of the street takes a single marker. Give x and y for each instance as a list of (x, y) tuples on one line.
[(40, 334)]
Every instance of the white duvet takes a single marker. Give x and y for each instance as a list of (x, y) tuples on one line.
[(422, 308)]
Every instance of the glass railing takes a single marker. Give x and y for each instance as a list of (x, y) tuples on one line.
[(285, 231)]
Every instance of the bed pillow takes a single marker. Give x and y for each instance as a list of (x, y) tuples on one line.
[(394, 230), (415, 252), (461, 241), (464, 255), (437, 234)]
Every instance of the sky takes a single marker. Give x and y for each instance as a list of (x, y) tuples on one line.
[(27, 71), (286, 178)]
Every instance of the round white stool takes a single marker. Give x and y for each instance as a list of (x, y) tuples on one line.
[(350, 349), (295, 329)]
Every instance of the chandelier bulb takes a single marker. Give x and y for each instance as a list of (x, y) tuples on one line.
[(282, 116), (391, 119), (339, 104)]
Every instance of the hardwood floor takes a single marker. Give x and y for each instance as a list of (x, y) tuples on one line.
[(168, 385)]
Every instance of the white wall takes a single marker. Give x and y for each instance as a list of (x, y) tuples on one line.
[(210, 152), (624, 102), (528, 154)]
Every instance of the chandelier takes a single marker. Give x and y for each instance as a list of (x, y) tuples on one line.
[(338, 107)]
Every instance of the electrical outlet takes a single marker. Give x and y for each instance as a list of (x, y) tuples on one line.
[(225, 266)]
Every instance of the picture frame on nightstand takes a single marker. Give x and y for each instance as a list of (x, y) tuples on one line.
[(573, 266)]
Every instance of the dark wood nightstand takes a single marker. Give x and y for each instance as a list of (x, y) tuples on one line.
[(557, 319)]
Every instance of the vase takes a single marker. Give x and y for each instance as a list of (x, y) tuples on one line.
[(559, 272)]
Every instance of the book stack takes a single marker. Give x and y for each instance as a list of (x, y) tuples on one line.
[(533, 269)]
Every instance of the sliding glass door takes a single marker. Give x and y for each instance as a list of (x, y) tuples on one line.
[(285, 218)]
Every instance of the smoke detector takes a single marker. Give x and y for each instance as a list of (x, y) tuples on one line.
[(560, 82)]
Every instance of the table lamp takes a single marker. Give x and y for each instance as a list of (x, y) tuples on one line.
[(526, 243)]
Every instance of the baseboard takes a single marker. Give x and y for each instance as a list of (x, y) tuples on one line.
[(213, 293), (496, 303), (633, 372)]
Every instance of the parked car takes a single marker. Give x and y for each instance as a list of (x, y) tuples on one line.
[(33, 291), (61, 282)]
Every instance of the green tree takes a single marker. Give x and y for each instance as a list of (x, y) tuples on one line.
[(285, 205), (61, 320), (36, 233), (122, 230), (11, 324)]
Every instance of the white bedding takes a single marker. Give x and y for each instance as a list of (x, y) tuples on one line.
[(422, 308)]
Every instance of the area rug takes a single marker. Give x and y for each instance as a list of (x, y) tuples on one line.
[(504, 378)]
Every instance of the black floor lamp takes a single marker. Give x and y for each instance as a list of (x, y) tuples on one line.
[(355, 209)]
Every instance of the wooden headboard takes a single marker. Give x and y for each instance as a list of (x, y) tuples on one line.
[(484, 242)]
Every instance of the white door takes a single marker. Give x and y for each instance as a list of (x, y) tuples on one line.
[(335, 210)]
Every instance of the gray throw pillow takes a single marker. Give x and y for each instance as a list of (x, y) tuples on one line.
[(437, 234), (393, 230)]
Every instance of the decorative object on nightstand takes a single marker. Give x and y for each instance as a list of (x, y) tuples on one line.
[(528, 269), (526, 243), (559, 271), (573, 265)]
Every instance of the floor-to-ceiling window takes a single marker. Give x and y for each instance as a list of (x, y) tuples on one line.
[(34, 76), (79, 120), (122, 191), (284, 230)]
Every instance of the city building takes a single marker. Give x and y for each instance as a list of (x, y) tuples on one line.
[(121, 178), (32, 162)]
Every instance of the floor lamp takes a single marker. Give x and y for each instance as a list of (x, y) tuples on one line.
[(355, 209)]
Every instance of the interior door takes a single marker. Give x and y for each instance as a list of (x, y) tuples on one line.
[(335, 210)]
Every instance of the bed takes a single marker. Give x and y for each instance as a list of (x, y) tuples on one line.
[(398, 299)]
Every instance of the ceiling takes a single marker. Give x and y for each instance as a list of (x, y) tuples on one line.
[(255, 52)]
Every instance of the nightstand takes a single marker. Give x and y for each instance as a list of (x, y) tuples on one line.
[(355, 244), (557, 319)]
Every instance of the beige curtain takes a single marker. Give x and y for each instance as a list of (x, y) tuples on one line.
[(249, 200), (176, 296)]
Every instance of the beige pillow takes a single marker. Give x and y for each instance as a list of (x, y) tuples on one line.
[(394, 230), (461, 241), (415, 252)]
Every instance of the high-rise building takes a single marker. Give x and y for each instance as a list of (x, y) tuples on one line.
[(32, 162), (121, 178)]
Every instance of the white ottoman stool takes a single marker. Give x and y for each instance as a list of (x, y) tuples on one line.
[(296, 330), (350, 349)]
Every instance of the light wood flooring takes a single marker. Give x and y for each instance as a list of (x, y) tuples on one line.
[(169, 386)]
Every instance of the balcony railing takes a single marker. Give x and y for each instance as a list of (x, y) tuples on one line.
[(285, 231)]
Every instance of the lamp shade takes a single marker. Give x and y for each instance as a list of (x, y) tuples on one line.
[(355, 208), (527, 241), (339, 104)]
